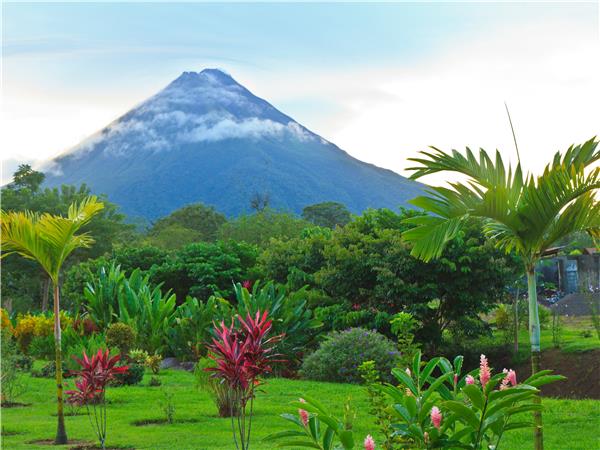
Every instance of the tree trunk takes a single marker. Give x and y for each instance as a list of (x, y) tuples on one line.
[(61, 434), (534, 337), (516, 322), (45, 293)]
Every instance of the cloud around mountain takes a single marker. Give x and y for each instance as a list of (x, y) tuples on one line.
[(207, 138)]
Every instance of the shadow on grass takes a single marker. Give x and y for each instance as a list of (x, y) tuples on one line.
[(161, 421)]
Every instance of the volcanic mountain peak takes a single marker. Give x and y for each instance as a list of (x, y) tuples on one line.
[(206, 138)]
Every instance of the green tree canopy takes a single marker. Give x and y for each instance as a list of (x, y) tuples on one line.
[(192, 223), (327, 214), (367, 264), (259, 228)]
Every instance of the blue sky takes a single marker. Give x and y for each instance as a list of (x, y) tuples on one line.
[(380, 80)]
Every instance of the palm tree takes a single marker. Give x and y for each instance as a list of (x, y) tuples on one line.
[(49, 240), (524, 214)]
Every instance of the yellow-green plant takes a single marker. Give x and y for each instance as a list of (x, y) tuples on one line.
[(49, 239), (522, 213)]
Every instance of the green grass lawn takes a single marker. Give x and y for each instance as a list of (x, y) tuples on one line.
[(578, 335), (569, 424)]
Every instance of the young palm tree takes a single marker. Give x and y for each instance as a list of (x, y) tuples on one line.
[(49, 240), (522, 214)]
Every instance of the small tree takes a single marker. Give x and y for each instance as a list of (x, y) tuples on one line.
[(95, 374), (49, 239), (524, 214), (243, 356)]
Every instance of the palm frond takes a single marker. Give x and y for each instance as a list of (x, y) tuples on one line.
[(46, 238), (524, 214)]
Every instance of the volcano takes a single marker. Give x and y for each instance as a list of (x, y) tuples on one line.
[(205, 138)]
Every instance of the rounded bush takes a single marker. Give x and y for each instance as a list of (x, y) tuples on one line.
[(121, 336), (133, 376), (340, 355)]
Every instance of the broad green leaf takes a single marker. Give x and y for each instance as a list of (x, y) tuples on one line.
[(463, 413), (475, 395)]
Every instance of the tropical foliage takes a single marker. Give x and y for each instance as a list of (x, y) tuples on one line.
[(521, 213), (48, 240)]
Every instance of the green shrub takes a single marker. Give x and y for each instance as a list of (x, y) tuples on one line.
[(121, 336), (332, 316), (48, 370), (403, 325), (75, 344), (132, 377), (223, 397), (154, 381), (503, 317), (289, 313), (340, 355), (42, 347), (10, 376), (545, 316), (153, 363), (138, 356)]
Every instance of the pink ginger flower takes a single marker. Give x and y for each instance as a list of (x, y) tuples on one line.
[(469, 379), (510, 378), (455, 379), (484, 371), (369, 443), (247, 284), (436, 417), (303, 413)]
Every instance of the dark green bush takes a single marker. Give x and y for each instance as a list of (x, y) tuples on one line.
[(12, 382), (154, 381), (121, 336), (340, 355), (133, 376), (42, 347)]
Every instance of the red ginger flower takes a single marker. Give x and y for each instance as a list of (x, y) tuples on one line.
[(436, 417), (484, 371), (303, 413), (510, 378), (469, 379), (369, 442)]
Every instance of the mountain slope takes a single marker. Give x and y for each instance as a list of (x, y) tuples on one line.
[(207, 138)]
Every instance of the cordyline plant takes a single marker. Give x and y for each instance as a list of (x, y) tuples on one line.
[(95, 375), (243, 355)]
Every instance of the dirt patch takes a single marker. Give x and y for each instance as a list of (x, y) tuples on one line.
[(161, 421), (581, 369), (576, 304), (10, 433), (96, 447), (14, 404), (79, 442)]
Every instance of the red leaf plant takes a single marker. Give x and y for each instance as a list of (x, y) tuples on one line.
[(94, 376), (243, 355)]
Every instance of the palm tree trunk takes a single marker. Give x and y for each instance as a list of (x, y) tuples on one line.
[(516, 322), (534, 337), (61, 434)]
